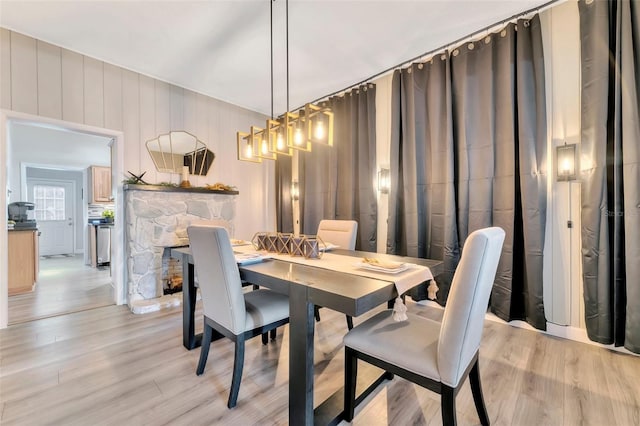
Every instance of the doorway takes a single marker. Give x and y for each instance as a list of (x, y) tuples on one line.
[(71, 266)]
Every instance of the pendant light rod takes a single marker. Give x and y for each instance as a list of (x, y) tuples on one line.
[(287, 37), (271, 28)]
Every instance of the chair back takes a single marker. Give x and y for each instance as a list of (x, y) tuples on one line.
[(340, 232), (218, 276), (464, 314)]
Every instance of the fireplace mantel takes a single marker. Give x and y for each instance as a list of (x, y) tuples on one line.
[(166, 188)]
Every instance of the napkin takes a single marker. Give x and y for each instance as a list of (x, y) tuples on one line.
[(379, 263)]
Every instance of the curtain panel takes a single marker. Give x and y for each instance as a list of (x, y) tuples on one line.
[(468, 151), (422, 207), (339, 182), (610, 48), (499, 127), (284, 204)]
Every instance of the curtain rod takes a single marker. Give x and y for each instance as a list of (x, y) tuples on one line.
[(442, 48)]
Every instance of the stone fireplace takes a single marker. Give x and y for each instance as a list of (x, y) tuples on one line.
[(156, 218)]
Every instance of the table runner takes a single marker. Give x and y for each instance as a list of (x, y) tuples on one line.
[(403, 281)]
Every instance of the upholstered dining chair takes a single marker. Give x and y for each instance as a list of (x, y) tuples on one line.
[(227, 310), (437, 356), (342, 233)]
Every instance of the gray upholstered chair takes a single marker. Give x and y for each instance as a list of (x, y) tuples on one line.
[(227, 310), (437, 356), (342, 233)]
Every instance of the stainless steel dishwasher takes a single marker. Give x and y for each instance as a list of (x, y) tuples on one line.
[(103, 244)]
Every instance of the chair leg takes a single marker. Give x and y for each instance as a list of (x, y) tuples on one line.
[(272, 334), (316, 313), (350, 373), (265, 338), (349, 322), (476, 390), (238, 363), (448, 406), (204, 349)]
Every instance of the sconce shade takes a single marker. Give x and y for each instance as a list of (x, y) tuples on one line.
[(247, 148), (296, 135), (566, 162), (261, 141), (384, 181), (276, 138), (319, 124)]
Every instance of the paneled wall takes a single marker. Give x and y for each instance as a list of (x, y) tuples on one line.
[(45, 80)]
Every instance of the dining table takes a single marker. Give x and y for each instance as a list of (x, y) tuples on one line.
[(308, 284)]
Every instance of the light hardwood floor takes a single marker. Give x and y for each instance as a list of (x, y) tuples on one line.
[(107, 366), (65, 284)]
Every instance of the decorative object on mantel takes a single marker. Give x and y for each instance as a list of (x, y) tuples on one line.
[(291, 130), (184, 183), (172, 151), (135, 179)]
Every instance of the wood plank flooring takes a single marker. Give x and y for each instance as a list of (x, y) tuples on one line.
[(107, 366), (65, 284)]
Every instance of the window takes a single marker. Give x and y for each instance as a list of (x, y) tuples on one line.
[(50, 202)]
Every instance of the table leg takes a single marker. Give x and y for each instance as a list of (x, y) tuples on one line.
[(189, 339), (301, 332)]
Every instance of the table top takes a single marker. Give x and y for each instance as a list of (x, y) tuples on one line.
[(348, 293)]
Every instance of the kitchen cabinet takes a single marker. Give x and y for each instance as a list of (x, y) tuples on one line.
[(23, 260), (100, 185)]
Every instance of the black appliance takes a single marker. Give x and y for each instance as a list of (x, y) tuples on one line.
[(23, 214)]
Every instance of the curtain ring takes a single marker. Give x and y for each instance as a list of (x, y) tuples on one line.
[(420, 65), (470, 46), (503, 33), (487, 40), (443, 56), (456, 52)]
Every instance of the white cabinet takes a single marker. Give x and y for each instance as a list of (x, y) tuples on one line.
[(100, 185)]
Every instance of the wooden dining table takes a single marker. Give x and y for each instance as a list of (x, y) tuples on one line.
[(306, 287)]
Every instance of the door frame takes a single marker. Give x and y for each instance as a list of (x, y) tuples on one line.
[(72, 183), (117, 170)]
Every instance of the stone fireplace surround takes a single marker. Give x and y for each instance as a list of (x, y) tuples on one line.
[(157, 217)]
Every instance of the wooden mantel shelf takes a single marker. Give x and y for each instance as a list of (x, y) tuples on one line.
[(163, 188)]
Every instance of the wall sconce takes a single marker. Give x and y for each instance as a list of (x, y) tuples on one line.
[(295, 190), (566, 162), (384, 181)]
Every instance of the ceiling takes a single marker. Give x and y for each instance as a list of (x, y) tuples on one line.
[(221, 48)]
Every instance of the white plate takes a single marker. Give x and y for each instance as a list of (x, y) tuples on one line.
[(236, 243), (401, 267)]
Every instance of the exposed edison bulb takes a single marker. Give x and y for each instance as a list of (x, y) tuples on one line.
[(319, 130), (249, 151), (280, 142), (265, 147), (297, 136)]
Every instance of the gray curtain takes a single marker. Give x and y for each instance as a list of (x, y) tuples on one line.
[(422, 206), (610, 46), (340, 184), (500, 132), (284, 207)]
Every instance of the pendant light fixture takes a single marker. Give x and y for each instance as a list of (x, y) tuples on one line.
[(292, 130)]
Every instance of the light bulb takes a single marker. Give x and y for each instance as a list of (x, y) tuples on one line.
[(280, 142), (297, 137), (319, 133), (566, 166), (249, 151), (265, 147)]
